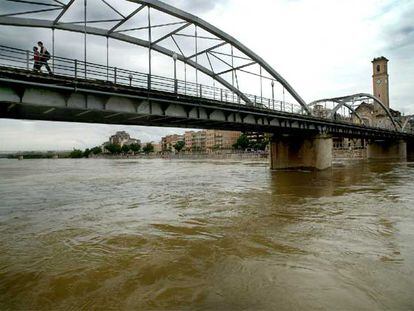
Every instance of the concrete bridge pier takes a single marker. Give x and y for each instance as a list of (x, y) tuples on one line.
[(410, 150), (387, 149), (301, 152)]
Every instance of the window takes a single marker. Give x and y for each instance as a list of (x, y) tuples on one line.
[(378, 68)]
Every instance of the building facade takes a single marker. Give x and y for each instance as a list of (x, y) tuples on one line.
[(188, 140), (201, 141), (220, 140), (157, 147), (168, 142), (121, 139)]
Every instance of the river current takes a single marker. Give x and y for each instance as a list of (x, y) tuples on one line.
[(205, 235)]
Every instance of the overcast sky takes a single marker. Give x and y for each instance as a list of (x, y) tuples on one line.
[(323, 48)]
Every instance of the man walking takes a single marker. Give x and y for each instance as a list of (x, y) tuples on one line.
[(44, 57), (36, 59)]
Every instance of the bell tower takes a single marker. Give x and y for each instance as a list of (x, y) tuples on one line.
[(380, 80)]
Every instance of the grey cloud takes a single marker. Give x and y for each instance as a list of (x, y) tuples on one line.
[(396, 18), (398, 46), (11, 36), (193, 6), (37, 135), (196, 6), (14, 7), (386, 8), (401, 32)]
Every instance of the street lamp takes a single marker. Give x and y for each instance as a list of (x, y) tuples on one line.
[(175, 57), (130, 79), (273, 94)]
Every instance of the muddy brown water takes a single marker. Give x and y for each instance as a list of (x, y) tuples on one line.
[(205, 235)]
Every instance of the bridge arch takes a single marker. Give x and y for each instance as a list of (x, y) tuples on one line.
[(187, 18), (404, 126), (340, 104), (342, 101)]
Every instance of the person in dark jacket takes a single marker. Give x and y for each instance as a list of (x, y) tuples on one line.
[(44, 57), (36, 59)]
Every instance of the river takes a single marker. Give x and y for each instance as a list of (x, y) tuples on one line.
[(205, 235)]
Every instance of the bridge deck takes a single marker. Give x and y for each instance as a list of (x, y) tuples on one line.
[(153, 108)]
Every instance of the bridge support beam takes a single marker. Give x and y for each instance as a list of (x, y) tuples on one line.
[(386, 149), (299, 152)]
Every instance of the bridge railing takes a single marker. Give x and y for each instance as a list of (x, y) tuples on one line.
[(76, 69)]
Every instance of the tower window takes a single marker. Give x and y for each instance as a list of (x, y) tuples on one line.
[(378, 68)]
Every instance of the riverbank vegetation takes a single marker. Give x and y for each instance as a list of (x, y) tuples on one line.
[(244, 143), (112, 149), (38, 155)]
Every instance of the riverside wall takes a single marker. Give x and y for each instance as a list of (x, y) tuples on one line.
[(353, 154), (248, 156)]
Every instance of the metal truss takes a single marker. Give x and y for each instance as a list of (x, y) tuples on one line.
[(184, 20), (406, 122), (333, 112), (345, 101)]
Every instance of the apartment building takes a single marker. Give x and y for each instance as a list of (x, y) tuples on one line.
[(220, 140), (188, 139), (169, 142), (199, 141)]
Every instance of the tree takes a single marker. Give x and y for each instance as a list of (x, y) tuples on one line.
[(86, 153), (149, 148), (96, 150), (262, 145), (135, 148), (179, 146), (242, 143), (113, 149), (76, 154), (125, 149), (216, 147)]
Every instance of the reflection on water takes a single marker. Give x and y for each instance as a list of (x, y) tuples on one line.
[(154, 234)]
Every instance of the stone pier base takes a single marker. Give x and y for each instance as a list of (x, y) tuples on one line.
[(298, 152), (410, 150), (384, 149)]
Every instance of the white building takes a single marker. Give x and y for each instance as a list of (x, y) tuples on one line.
[(123, 138)]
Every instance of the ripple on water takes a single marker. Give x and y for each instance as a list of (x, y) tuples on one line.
[(154, 234)]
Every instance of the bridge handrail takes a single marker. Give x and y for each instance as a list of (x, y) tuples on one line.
[(23, 59)]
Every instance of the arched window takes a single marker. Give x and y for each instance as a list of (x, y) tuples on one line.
[(378, 68)]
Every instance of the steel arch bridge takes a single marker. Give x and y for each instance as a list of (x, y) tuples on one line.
[(158, 27), (222, 57)]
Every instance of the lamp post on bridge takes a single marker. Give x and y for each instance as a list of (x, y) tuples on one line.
[(273, 94), (175, 57), (130, 79)]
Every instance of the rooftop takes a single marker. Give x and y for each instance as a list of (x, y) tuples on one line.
[(380, 59)]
